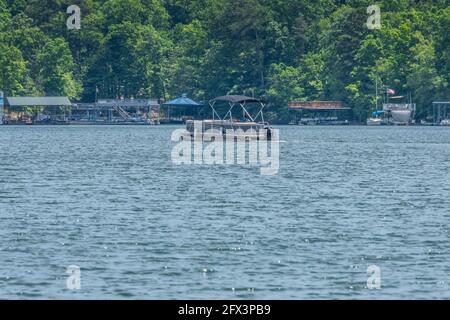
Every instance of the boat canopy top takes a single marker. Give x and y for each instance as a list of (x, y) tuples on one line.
[(241, 101), (237, 99), (378, 113)]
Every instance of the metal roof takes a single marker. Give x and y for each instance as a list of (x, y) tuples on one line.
[(183, 101), (127, 103), (38, 101), (317, 105)]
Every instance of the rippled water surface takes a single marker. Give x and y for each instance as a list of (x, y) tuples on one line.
[(109, 200)]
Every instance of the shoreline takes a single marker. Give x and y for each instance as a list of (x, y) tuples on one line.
[(174, 124)]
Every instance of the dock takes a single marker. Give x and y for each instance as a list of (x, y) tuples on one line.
[(320, 113), (60, 110)]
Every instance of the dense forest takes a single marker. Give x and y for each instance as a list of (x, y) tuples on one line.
[(277, 49)]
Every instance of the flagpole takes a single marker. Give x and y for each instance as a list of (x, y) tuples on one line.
[(376, 94), (387, 95)]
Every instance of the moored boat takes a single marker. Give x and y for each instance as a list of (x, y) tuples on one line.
[(249, 127), (401, 116), (377, 118), (374, 122)]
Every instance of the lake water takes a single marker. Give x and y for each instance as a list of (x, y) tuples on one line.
[(109, 200)]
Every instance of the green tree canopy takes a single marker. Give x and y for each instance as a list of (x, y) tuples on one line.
[(281, 50)]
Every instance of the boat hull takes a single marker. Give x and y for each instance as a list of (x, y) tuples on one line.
[(401, 116), (210, 130), (374, 122)]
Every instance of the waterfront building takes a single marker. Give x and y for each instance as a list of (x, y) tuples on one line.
[(320, 112), (60, 110), (51, 109)]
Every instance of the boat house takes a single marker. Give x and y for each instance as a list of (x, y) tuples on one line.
[(60, 110), (319, 112), (45, 109), (441, 113), (116, 111)]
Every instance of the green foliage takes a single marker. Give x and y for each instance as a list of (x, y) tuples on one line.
[(12, 70), (55, 75), (281, 50)]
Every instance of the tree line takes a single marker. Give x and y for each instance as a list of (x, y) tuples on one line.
[(280, 50)]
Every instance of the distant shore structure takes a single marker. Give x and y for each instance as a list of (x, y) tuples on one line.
[(441, 113), (32, 102), (116, 111), (60, 110), (401, 113), (180, 110), (320, 112)]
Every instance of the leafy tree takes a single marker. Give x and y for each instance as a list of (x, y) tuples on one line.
[(56, 69), (281, 50), (12, 70)]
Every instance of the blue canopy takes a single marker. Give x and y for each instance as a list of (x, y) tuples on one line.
[(377, 113), (183, 101)]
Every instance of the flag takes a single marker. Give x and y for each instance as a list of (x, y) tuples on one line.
[(390, 91)]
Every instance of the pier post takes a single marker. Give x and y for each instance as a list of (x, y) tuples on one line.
[(2, 104)]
